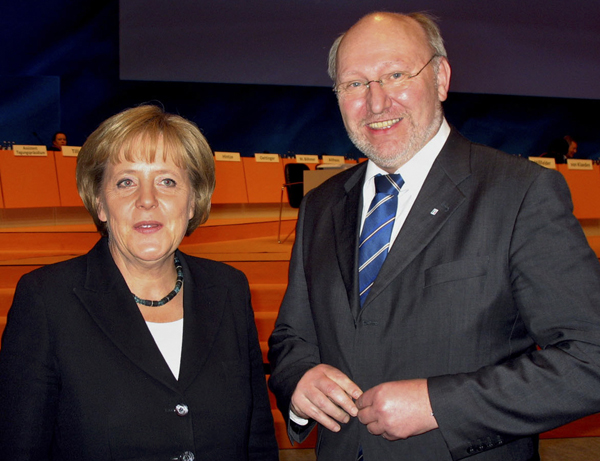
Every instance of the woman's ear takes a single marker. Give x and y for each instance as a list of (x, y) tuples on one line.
[(100, 211)]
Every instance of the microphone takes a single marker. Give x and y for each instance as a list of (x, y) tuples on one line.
[(38, 138)]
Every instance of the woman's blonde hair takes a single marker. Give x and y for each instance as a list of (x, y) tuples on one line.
[(134, 135)]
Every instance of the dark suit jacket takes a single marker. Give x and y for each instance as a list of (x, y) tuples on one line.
[(81, 377), (489, 263)]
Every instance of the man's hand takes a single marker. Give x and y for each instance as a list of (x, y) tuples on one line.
[(397, 409), (325, 394)]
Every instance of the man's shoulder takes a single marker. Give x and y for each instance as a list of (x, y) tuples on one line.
[(337, 185), (486, 160)]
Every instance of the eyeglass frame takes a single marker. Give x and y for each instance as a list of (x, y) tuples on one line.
[(367, 84)]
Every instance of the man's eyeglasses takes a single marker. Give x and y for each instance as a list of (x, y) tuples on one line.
[(358, 88)]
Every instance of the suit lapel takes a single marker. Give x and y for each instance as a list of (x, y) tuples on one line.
[(203, 310), (109, 302), (345, 216), (437, 200)]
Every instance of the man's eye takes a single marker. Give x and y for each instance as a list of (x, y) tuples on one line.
[(396, 75), (355, 84)]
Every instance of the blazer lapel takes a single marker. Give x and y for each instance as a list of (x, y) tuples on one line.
[(203, 310), (346, 222), (437, 200), (110, 304)]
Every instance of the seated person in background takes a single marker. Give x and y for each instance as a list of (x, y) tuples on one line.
[(572, 146), (58, 140), (558, 150), (136, 350)]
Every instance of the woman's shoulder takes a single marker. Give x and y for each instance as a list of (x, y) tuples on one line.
[(56, 272), (214, 269)]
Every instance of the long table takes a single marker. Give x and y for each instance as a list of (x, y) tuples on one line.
[(37, 182), (49, 181)]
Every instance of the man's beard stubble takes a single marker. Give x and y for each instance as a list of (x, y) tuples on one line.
[(417, 140)]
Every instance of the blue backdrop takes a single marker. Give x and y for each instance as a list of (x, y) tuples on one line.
[(59, 69)]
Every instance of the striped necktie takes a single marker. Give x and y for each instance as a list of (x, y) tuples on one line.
[(375, 236), (377, 230)]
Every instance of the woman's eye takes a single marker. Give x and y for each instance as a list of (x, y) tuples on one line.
[(169, 182), (125, 183)]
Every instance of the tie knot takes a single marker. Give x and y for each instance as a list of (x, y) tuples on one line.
[(388, 184)]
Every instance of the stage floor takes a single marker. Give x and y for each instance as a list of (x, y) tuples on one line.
[(579, 449)]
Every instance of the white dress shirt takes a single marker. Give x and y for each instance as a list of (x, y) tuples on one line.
[(413, 172)]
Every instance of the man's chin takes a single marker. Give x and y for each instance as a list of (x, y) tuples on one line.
[(386, 160), (389, 164)]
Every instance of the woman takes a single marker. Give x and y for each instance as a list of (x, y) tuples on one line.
[(136, 351), (58, 141)]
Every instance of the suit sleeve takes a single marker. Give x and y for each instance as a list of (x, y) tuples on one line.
[(555, 282), (29, 380), (293, 346)]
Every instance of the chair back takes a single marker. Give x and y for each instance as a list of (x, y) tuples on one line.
[(294, 182)]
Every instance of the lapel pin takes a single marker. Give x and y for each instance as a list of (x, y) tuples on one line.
[(434, 212)]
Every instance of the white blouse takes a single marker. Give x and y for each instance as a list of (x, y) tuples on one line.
[(169, 339)]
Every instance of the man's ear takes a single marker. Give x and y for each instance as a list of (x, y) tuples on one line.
[(443, 78)]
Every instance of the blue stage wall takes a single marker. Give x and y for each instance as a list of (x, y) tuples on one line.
[(60, 70)]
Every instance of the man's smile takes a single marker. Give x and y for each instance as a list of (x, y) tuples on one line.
[(385, 125)]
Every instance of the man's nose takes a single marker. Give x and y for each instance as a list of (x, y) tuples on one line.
[(377, 98)]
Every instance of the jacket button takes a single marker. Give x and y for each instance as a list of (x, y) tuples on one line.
[(182, 410), (187, 456)]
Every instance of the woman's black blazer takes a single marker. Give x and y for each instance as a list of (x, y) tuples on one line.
[(81, 377)]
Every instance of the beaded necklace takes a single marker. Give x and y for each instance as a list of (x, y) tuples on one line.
[(171, 295)]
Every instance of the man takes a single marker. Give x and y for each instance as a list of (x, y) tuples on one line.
[(572, 146), (437, 359), (58, 140)]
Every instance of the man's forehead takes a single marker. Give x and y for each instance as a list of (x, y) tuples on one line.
[(385, 37), (387, 24)]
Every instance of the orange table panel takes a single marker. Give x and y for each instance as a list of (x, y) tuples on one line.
[(28, 182), (1, 200), (263, 180), (585, 191), (584, 427), (67, 185), (231, 183)]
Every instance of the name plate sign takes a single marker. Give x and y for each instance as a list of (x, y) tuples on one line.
[(545, 162), (579, 164), (307, 158), (228, 156), (267, 158), (70, 151), (30, 151), (335, 159)]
